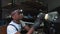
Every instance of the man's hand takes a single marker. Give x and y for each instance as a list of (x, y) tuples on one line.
[(39, 20), (17, 33), (27, 28)]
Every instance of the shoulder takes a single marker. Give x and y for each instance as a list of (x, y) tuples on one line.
[(11, 29), (10, 26)]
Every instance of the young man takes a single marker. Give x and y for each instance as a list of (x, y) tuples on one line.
[(15, 23), (14, 26)]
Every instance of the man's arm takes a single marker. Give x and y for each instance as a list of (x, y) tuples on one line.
[(17, 33), (26, 28), (38, 21), (30, 31)]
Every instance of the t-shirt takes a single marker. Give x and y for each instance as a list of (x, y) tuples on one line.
[(12, 30)]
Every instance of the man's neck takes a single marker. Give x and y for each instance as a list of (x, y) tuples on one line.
[(17, 21)]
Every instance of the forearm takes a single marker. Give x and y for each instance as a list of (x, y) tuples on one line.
[(27, 28), (30, 31), (17, 33)]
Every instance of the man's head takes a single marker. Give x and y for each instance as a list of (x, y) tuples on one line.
[(17, 14)]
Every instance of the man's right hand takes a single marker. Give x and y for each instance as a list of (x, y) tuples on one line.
[(39, 20), (17, 33)]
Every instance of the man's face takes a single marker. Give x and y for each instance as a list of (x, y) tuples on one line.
[(18, 16)]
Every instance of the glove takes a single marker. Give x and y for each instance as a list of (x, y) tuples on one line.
[(39, 20), (41, 16)]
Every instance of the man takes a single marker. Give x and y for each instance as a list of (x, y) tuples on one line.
[(16, 16), (14, 26)]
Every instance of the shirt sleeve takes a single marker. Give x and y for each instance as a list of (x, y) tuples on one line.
[(11, 30)]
